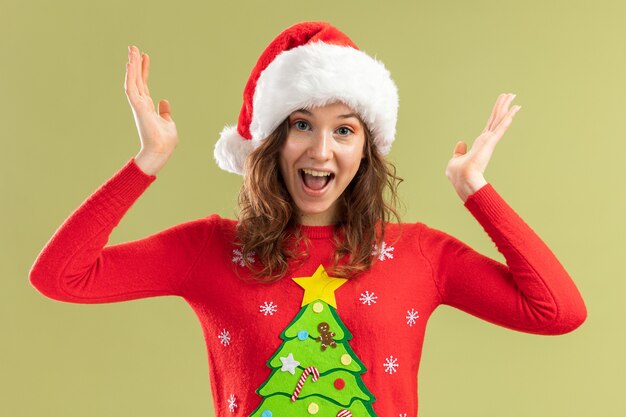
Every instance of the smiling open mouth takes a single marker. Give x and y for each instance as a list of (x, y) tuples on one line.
[(315, 180)]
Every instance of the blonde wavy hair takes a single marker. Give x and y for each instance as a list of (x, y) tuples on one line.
[(267, 218)]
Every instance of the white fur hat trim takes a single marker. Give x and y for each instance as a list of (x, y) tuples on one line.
[(311, 75)]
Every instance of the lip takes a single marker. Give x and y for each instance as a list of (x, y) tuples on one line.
[(314, 193), (316, 169)]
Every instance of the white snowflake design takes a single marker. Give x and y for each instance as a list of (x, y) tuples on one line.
[(232, 403), (268, 308), (238, 257), (411, 317), (384, 252), (368, 298), (403, 415), (224, 337), (391, 364)]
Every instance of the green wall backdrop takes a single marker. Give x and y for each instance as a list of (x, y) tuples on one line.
[(66, 127)]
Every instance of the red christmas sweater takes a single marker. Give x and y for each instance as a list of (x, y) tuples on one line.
[(313, 345)]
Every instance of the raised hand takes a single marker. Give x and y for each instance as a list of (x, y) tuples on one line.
[(157, 131), (466, 169)]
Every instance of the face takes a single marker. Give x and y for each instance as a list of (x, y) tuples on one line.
[(319, 158)]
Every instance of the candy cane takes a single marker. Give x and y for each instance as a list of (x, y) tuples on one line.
[(310, 370), (344, 413)]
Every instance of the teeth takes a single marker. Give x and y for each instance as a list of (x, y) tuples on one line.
[(316, 173)]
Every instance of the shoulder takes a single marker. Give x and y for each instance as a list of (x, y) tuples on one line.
[(217, 221), (402, 230), (204, 228), (220, 225), (416, 232)]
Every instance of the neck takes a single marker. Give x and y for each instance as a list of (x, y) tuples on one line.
[(315, 222), (317, 219)]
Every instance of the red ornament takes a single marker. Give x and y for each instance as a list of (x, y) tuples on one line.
[(340, 383)]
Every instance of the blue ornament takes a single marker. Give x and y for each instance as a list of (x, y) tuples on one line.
[(303, 334), (266, 413)]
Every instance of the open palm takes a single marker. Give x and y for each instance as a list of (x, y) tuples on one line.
[(157, 131), (467, 166)]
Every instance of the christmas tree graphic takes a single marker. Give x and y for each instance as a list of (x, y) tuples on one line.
[(315, 371)]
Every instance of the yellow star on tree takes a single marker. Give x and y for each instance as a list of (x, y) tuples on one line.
[(320, 286)]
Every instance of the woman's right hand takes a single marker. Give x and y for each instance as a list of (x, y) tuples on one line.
[(157, 131)]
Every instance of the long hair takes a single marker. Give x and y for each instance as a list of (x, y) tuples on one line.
[(267, 227)]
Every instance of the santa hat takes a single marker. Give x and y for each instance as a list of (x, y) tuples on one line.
[(307, 65)]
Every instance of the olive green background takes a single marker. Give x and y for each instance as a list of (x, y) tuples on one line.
[(66, 127)]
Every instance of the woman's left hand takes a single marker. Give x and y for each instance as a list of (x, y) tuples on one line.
[(466, 169)]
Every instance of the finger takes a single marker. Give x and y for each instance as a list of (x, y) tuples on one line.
[(165, 110), (459, 149), (506, 122), (502, 110), (499, 114), (494, 112), (145, 66), (137, 68), (129, 85)]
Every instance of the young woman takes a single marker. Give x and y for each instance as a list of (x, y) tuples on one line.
[(312, 302)]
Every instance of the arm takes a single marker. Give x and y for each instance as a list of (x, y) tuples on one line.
[(532, 293), (75, 266)]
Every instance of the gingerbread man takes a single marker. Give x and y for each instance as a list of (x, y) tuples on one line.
[(326, 336)]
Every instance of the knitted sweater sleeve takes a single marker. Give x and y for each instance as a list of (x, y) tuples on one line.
[(532, 293), (75, 266)]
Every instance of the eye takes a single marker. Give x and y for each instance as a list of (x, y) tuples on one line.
[(344, 131), (300, 123)]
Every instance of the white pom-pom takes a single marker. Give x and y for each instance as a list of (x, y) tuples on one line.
[(231, 150)]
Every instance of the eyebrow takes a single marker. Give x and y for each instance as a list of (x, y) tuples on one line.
[(341, 116)]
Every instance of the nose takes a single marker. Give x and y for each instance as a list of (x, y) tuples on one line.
[(321, 146)]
